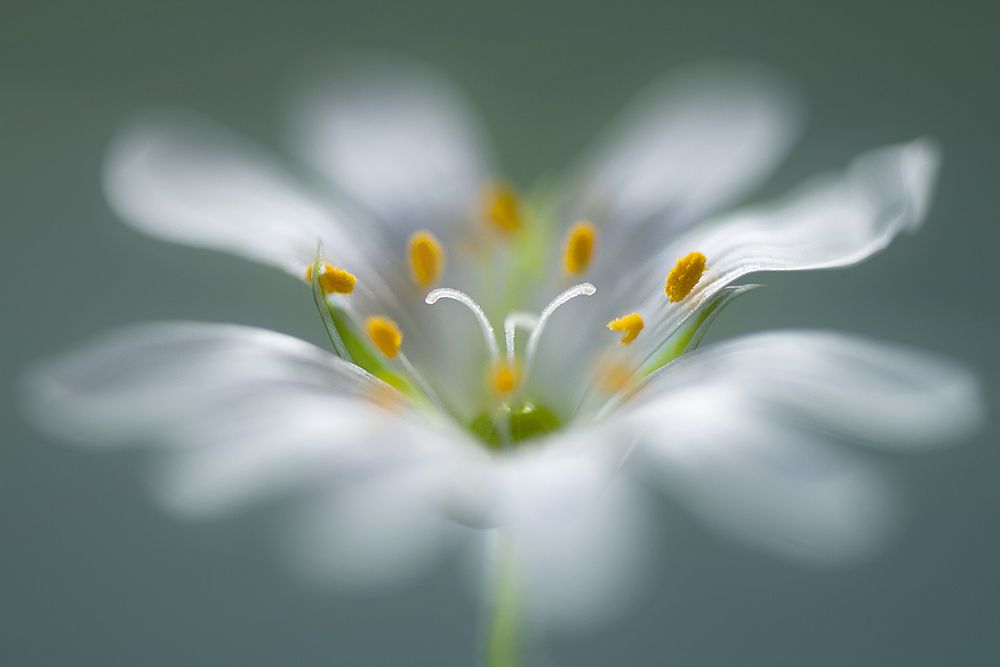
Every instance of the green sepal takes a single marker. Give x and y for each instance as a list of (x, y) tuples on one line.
[(319, 298), (348, 342), (690, 335), (362, 354)]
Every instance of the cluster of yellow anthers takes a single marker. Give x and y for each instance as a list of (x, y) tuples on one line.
[(680, 281), (427, 259)]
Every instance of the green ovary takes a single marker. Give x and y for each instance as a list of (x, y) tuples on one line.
[(527, 420)]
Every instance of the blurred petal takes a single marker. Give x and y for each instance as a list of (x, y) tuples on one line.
[(276, 445), (742, 432), (832, 222), (184, 179), (689, 146), (398, 140), (573, 531), (770, 486), (382, 531), (245, 412), (866, 391), (140, 380)]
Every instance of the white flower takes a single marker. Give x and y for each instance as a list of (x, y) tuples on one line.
[(538, 431)]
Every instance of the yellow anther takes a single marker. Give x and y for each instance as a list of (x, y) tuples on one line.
[(579, 249), (426, 258), (387, 398), (384, 334), (503, 210), (614, 375), (333, 280), (505, 378), (684, 276), (629, 326)]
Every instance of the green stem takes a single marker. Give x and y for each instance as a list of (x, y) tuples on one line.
[(502, 649)]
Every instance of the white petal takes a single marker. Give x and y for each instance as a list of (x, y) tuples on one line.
[(142, 379), (870, 392), (187, 180), (770, 486), (245, 412), (382, 531), (742, 432), (281, 444), (571, 529), (831, 222), (690, 145), (398, 140), (184, 179)]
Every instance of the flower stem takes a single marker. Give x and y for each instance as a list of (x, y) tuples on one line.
[(502, 649)]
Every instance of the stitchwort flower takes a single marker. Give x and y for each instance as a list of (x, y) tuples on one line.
[(508, 370)]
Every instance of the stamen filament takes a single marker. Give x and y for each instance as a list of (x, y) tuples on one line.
[(424, 385), (448, 293), (582, 289), (516, 319)]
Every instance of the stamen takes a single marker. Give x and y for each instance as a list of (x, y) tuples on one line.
[(614, 375), (504, 378), (684, 276), (511, 322), (583, 289), (579, 248), (332, 279), (503, 211), (426, 258), (466, 300), (384, 334), (386, 397), (629, 326)]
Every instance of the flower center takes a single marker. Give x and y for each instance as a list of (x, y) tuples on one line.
[(523, 422), (374, 342), (507, 424)]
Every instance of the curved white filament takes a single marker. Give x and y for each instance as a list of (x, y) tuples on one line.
[(521, 319), (582, 289), (466, 300)]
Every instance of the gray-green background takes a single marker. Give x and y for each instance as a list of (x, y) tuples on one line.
[(92, 574)]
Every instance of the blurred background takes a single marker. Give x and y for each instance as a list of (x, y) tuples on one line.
[(91, 573)]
